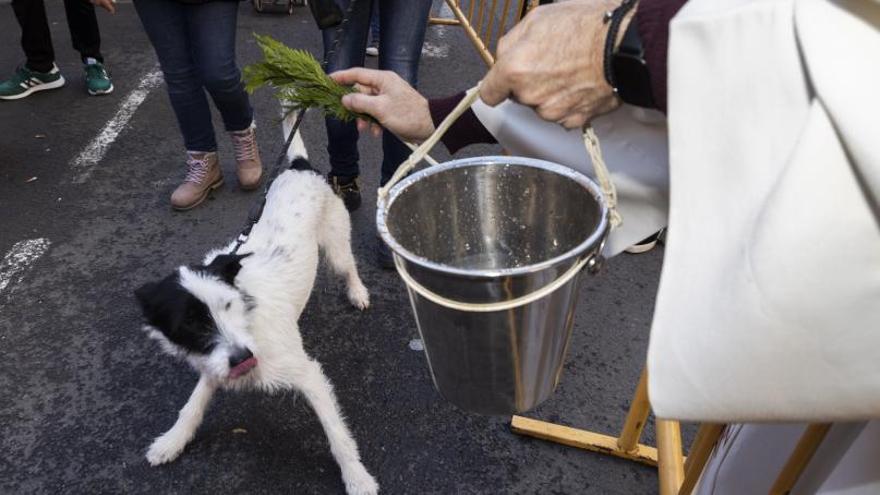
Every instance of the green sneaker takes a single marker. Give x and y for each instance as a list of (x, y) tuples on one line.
[(26, 81), (97, 80)]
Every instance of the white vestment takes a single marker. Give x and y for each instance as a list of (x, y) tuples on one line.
[(769, 299), (769, 306)]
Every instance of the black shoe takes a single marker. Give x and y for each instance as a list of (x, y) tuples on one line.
[(348, 189), (384, 258)]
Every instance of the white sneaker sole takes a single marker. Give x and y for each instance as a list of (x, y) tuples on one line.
[(42, 87), (99, 93), (641, 248)]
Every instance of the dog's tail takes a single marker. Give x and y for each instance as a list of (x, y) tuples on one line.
[(296, 153)]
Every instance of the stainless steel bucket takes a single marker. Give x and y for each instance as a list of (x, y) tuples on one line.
[(476, 234)]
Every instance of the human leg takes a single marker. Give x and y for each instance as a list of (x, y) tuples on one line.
[(211, 28), (86, 38), (373, 46), (165, 24), (342, 136), (39, 72), (84, 32), (212, 33), (401, 37), (36, 39)]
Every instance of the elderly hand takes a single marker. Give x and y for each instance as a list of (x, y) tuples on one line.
[(552, 61), (108, 5), (390, 100)]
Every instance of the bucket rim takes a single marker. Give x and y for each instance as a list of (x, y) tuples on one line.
[(595, 239)]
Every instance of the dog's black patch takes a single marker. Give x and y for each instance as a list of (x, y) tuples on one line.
[(300, 163), (180, 316), (225, 266)]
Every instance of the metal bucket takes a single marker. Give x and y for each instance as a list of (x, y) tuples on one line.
[(476, 234)]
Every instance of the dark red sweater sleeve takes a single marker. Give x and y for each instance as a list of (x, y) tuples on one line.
[(466, 130), (652, 21)]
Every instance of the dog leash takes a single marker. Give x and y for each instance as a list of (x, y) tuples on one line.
[(256, 210)]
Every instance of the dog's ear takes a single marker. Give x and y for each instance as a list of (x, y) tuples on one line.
[(146, 295), (226, 266)]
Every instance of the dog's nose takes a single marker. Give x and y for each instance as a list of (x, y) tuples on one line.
[(239, 356)]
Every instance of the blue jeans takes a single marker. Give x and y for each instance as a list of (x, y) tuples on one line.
[(374, 24), (195, 44), (402, 33)]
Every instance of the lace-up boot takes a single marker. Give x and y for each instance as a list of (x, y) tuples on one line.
[(247, 157), (203, 175)]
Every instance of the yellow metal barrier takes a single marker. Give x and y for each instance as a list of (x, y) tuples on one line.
[(483, 22)]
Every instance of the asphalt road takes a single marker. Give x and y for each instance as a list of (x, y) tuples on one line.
[(84, 219)]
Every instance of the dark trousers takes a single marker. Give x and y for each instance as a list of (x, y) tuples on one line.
[(195, 44), (402, 32), (36, 40)]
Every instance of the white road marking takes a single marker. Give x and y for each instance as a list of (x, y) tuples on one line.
[(84, 163), (440, 49), (435, 51), (19, 259)]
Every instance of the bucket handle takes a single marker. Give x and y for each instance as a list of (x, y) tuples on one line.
[(593, 262), (591, 142)]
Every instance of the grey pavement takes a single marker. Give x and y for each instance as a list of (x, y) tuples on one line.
[(83, 392)]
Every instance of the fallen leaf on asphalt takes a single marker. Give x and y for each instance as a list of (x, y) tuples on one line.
[(31, 179), (239, 430), (40, 136)]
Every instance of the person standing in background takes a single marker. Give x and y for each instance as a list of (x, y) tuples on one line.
[(195, 43), (373, 45), (39, 72), (403, 24)]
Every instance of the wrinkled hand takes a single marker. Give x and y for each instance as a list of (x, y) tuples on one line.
[(552, 61), (108, 5), (390, 100)]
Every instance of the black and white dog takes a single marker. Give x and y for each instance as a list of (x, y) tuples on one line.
[(234, 317)]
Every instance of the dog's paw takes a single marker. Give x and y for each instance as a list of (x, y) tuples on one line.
[(358, 481), (164, 449), (359, 296)]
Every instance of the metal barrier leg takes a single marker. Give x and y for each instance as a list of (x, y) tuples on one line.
[(625, 446), (470, 32), (670, 464), (637, 416), (698, 455)]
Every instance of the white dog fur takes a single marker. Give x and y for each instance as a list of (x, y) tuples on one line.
[(261, 310)]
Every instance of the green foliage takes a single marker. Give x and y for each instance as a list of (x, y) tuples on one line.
[(299, 78)]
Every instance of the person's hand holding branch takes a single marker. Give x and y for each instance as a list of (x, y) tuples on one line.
[(390, 100)]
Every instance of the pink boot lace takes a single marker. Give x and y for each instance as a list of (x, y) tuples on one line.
[(198, 167), (245, 144)]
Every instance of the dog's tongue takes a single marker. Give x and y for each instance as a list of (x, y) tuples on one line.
[(243, 367)]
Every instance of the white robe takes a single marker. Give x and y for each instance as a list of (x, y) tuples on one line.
[(769, 307), (769, 299)]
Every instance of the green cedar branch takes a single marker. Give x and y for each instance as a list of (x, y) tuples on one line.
[(299, 79)]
